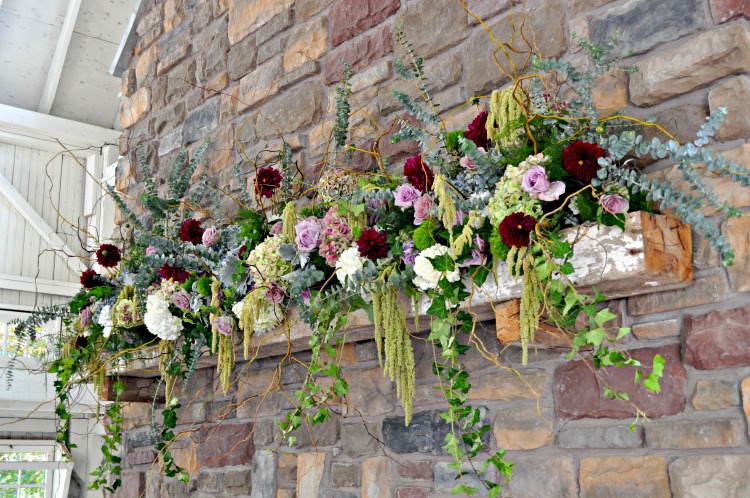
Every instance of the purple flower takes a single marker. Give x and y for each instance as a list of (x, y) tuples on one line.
[(614, 203), (223, 324), (308, 234), (477, 253), (460, 218), (405, 196), (85, 316), (305, 295), (535, 182), (422, 209), (275, 294), (410, 252), (466, 161), (277, 228), (150, 250), (210, 237), (181, 299)]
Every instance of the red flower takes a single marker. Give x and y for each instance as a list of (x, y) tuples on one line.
[(580, 160), (477, 132), (191, 231), (418, 173), (516, 228), (266, 181), (174, 272), (108, 255), (372, 244), (90, 279)]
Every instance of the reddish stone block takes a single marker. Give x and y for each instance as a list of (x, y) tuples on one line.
[(719, 339), (724, 10), (225, 445), (418, 471), (361, 51), (580, 394), (400, 150), (350, 18), (142, 457), (133, 485), (412, 493)]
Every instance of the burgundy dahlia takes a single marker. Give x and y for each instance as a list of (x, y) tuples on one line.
[(477, 131), (174, 272), (266, 181), (580, 160), (372, 244), (108, 255), (89, 279), (191, 231), (418, 173), (516, 228)]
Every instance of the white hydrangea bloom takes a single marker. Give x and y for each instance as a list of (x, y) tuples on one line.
[(105, 320), (427, 276), (160, 321), (348, 263)]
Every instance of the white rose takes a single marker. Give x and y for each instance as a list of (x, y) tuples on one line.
[(427, 276), (348, 263)]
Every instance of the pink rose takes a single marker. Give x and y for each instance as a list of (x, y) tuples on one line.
[(614, 203), (181, 299), (535, 182), (223, 324), (466, 161), (422, 209), (405, 196), (275, 294), (308, 234), (210, 237), (150, 250), (277, 228)]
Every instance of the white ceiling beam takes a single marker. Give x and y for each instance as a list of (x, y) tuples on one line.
[(48, 234), (28, 284), (58, 58), (125, 49), (74, 134)]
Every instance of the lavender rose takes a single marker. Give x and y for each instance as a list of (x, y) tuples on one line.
[(85, 316), (405, 196), (275, 294), (477, 253), (466, 161), (308, 234), (422, 209), (210, 237), (614, 203), (535, 182), (556, 189), (410, 252), (181, 299), (150, 250), (277, 228), (223, 324)]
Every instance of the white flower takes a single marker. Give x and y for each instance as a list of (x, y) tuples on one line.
[(348, 263), (237, 308), (427, 276), (159, 321), (105, 320)]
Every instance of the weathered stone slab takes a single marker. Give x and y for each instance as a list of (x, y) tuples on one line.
[(350, 18), (734, 96), (715, 394), (701, 476), (527, 481), (634, 477), (695, 434), (600, 437), (247, 16), (719, 339)]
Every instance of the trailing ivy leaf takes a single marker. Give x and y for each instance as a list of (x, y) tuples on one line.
[(438, 308), (443, 262)]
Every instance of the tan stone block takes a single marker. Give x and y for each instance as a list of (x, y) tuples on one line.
[(221, 150), (696, 62), (523, 428), (288, 467), (286, 493), (715, 394), (230, 103), (611, 92), (695, 434), (377, 478), (656, 330), (215, 85), (307, 43), (633, 477), (174, 14), (246, 16), (310, 468), (580, 6), (321, 137), (734, 96), (187, 458), (128, 83), (134, 108), (256, 393), (737, 232), (509, 386), (305, 9), (145, 68), (260, 84), (745, 388), (710, 476), (703, 290), (580, 28), (371, 76)]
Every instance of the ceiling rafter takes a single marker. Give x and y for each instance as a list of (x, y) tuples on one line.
[(58, 58), (48, 234)]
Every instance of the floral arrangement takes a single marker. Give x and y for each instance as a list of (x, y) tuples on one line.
[(497, 193)]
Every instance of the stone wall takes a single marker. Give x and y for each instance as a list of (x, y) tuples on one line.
[(224, 68)]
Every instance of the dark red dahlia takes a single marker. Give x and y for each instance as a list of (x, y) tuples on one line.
[(372, 244), (191, 231), (81, 343), (174, 272), (266, 181), (477, 131), (108, 255), (580, 160), (90, 279), (516, 229), (418, 173)]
